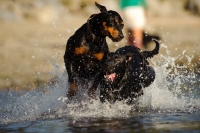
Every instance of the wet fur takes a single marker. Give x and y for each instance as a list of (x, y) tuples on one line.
[(87, 49), (133, 72)]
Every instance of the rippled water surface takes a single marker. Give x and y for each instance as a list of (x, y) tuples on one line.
[(170, 104)]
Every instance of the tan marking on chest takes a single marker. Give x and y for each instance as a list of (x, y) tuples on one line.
[(98, 56), (81, 50)]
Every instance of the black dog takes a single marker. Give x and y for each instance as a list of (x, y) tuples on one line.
[(126, 72), (87, 49)]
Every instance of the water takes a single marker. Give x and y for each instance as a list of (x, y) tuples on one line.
[(170, 104)]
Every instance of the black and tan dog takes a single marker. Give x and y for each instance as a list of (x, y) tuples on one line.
[(126, 72), (87, 49)]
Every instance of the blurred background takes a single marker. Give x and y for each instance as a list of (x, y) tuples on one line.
[(33, 35)]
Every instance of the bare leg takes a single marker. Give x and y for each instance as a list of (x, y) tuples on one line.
[(138, 38), (135, 38)]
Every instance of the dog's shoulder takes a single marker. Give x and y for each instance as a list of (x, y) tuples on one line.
[(77, 40)]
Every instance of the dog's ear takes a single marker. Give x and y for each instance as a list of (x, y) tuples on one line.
[(102, 8), (128, 57)]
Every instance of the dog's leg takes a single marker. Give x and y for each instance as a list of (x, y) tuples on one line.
[(72, 87), (72, 84), (93, 88), (72, 90)]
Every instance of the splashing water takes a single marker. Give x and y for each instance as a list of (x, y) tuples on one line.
[(172, 91)]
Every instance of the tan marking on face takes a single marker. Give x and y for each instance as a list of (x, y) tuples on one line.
[(113, 32), (122, 23), (81, 50), (98, 56)]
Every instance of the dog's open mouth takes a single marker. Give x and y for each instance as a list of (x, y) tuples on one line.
[(111, 76)]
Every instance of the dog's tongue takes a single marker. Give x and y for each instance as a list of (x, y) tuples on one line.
[(111, 76)]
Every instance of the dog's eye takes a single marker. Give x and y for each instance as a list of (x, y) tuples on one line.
[(114, 22)]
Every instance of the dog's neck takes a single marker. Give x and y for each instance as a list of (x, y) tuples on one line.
[(94, 27), (93, 37)]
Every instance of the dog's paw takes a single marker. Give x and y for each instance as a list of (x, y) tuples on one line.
[(72, 90), (91, 93), (71, 93)]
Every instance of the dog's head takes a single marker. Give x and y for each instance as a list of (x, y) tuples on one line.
[(115, 65), (112, 24)]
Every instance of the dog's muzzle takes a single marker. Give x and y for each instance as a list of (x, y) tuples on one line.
[(119, 37)]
